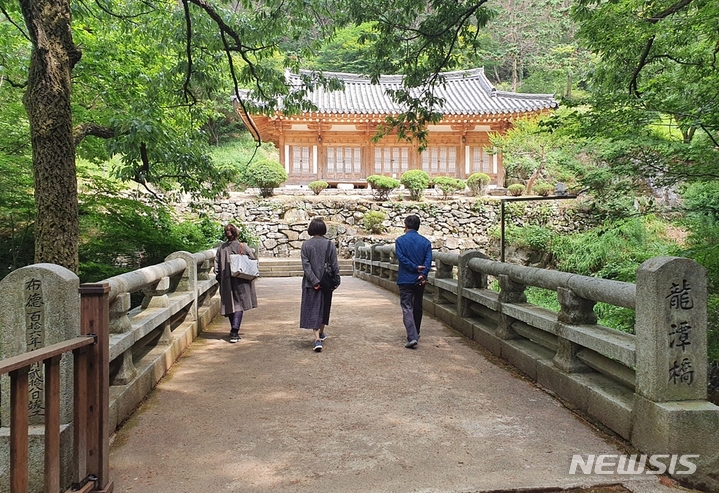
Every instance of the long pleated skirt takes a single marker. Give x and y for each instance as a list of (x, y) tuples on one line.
[(315, 308)]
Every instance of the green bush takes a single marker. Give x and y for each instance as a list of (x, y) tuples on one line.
[(416, 181), (477, 183), (382, 186), (318, 186), (119, 233), (542, 189), (516, 189), (448, 185), (372, 222), (266, 175)]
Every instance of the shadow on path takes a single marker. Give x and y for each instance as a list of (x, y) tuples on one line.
[(364, 415)]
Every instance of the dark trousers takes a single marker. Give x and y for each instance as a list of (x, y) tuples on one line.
[(235, 321), (410, 299)]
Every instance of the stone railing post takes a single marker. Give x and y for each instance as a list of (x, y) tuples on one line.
[(127, 371), (375, 256), (358, 255), (671, 414), (671, 330), (467, 278), (156, 294), (443, 270), (119, 308), (575, 311), (510, 292), (188, 280)]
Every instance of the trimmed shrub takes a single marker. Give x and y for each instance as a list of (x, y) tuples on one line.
[(372, 222), (477, 183), (542, 189), (382, 186), (416, 181), (448, 185), (516, 189), (266, 175), (318, 186)]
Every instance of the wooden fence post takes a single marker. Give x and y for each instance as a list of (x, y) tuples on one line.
[(95, 319)]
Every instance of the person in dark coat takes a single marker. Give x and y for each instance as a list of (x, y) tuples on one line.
[(316, 302), (236, 295)]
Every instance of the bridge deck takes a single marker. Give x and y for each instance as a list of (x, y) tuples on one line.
[(365, 415)]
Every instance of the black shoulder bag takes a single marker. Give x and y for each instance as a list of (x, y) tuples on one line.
[(330, 279)]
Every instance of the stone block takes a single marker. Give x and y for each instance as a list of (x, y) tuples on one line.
[(486, 337), (525, 355), (687, 427), (565, 385)]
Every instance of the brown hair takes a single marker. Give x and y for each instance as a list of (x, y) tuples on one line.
[(234, 232)]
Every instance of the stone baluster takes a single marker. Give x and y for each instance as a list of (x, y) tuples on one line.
[(469, 279), (359, 254), (510, 292), (156, 294), (375, 256), (127, 371), (575, 311), (119, 308), (189, 278), (166, 335), (392, 273), (204, 270)]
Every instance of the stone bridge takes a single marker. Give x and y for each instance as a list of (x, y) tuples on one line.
[(500, 396)]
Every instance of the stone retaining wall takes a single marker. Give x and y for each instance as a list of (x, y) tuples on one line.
[(280, 222)]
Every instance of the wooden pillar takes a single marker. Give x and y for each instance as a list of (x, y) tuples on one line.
[(95, 319)]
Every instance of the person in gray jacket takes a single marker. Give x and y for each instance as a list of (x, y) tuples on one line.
[(236, 295), (316, 302)]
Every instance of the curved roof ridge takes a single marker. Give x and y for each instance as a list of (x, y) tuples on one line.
[(465, 92), (524, 95)]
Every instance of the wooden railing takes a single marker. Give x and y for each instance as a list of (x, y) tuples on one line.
[(143, 321), (90, 430)]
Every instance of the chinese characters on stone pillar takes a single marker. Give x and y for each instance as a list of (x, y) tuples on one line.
[(680, 301), (35, 339)]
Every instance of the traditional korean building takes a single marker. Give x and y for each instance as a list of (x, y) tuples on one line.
[(335, 143)]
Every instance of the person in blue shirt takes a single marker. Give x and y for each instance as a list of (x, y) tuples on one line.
[(414, 254)]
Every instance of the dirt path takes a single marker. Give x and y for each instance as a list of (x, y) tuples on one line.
[(365, 415)]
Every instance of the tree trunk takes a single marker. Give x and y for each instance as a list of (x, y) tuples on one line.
[(47, 102)]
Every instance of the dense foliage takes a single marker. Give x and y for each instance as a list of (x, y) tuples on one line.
[(143, 89)]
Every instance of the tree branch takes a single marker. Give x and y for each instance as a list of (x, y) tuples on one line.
[(188, 52), (13, 84), (85, 129), (671, 10), (17, 26), (633, 84)]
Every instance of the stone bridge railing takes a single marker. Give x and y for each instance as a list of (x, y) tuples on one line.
[(173, 303), (649, 387), (153, 314)]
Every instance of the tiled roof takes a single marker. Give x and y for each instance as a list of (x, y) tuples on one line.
[(467, 92)]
